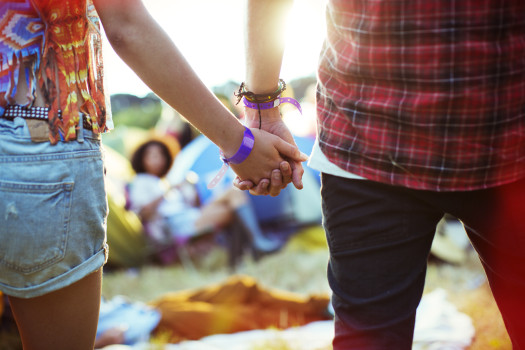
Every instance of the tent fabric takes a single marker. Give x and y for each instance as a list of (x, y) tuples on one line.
[(292, 206)]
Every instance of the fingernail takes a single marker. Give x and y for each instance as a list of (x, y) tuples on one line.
[(304, 156)]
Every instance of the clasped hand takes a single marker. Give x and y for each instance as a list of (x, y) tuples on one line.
[(275, 160)]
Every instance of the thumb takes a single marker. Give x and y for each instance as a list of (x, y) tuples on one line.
[(290, 151)]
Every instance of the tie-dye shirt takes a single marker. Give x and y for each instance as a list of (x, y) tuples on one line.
[(59, 44)]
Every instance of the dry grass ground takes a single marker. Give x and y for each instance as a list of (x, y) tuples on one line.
[(468, 290), (480, 306), (304, 272), (290, 270)]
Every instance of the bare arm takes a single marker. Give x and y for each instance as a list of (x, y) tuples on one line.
[(147, 49), (265, 21)]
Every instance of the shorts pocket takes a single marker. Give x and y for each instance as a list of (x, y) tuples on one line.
[(34, 224)]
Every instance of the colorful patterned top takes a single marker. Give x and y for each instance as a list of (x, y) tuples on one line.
[(59, 43), (426, 94)]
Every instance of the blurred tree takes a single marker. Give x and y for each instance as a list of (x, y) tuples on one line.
[(140, 112)]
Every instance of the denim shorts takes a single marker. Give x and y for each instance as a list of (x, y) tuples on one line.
[(53, 211)]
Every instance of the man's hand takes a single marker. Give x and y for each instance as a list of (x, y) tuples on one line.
[(279, 178), (288, 171), (267, 155)]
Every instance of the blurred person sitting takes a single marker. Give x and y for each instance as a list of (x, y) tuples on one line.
[(172, 214)]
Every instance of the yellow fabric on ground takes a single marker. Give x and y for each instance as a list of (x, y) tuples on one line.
[(308, 239), (239, 304)]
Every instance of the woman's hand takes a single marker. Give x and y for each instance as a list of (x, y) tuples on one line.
[(268, 154), (288, 171)]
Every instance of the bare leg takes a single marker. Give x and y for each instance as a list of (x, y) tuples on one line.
[(64, 319), (233, 198), (219, 213), (215, 214), (237, 201)]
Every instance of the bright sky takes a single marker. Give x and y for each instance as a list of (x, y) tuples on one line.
[(209, 33)]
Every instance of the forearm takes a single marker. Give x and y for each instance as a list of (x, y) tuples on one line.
[(150, 53), (264, 43)]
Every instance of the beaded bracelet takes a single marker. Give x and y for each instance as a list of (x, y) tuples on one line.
[(260, 98), (240, 156), (265, 101)]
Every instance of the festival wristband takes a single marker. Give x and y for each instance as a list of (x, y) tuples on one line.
[(244, 150), (272, 104), (242, 153)]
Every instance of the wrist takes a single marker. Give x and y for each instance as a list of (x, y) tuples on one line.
[(262, 89), (271, 104), (231, 139), (265, 104), (240, 156), (268, 116), (243, 150), (244, 94)]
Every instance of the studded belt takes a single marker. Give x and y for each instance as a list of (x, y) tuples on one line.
[(39, 113)]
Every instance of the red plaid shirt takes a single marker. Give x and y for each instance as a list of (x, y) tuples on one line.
[(426, 94)]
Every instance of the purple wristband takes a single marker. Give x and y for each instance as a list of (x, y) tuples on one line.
[(272, 104), (244, 150)]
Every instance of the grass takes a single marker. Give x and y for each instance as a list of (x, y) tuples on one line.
[(300, 272), (305, 272), (468, 290)]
